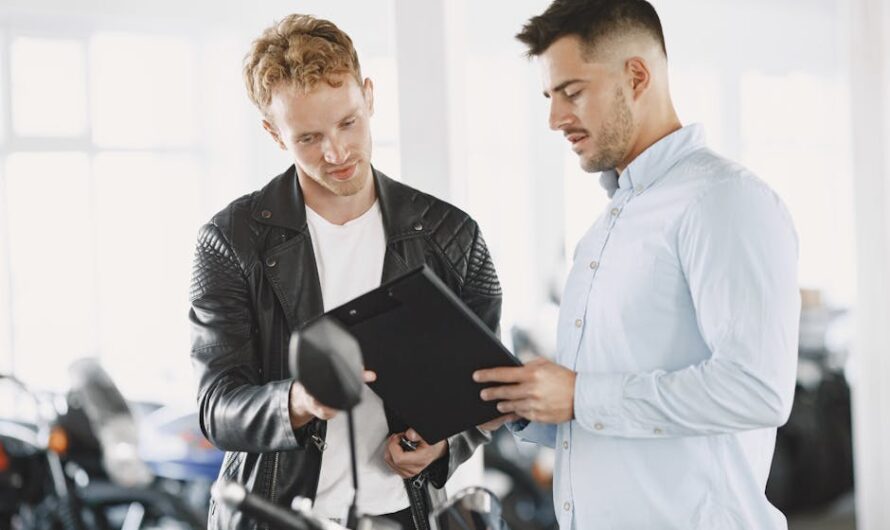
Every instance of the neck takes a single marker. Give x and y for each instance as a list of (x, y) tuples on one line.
[(337, 209), (651, 131)]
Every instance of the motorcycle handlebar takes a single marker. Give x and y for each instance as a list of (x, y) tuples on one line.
[(236, 496)]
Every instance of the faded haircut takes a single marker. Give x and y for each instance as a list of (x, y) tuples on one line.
[(593, 21)]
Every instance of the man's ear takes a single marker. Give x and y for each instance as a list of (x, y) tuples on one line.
[(637, 71), (368, 92), (273, 132)]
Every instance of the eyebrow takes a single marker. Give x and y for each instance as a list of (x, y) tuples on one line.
[(352, 114), (561, 86)]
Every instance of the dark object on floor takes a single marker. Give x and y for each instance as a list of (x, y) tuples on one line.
[(813, 462)]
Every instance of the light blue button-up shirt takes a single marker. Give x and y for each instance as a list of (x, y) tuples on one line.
[(680, 317)]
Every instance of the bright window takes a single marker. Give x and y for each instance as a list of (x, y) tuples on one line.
[(143, 91), (50, 234), (48, 79), (146, 206), (99, 228)]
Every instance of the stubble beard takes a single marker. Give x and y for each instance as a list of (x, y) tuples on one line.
[(613, 139)]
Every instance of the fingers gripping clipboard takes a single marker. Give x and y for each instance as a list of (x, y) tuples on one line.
[(424, 344)]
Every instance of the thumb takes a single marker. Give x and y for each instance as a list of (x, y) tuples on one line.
[(412, 435)]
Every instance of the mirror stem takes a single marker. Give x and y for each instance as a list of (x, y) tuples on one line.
[(352, 518)]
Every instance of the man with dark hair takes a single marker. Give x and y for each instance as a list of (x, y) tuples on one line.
[(328, 229), (677, 338)]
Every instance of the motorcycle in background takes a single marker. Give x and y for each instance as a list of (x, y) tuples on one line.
[(74, 465), (183, 462), (34, 489)]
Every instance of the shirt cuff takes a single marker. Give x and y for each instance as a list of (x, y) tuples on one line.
[(529, 431), (598, 399)]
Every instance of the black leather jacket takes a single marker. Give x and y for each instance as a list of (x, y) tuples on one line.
[(255, 280)]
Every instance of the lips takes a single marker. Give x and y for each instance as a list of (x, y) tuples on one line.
[(576, 137), (577, 141), (344, 173)]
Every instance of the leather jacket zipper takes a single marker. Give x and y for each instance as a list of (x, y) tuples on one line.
[(274, 476), (319, 444), (417, 502)]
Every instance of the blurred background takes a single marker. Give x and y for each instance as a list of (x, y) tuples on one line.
[(125, 125)]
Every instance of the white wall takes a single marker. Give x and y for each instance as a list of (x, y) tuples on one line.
[(870, 38)]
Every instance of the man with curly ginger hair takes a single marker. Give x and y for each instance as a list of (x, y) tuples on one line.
[(326, 230)]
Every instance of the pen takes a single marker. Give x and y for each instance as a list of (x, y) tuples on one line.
[(407, 444)]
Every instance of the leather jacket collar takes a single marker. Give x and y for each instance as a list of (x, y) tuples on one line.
[(281, 204)]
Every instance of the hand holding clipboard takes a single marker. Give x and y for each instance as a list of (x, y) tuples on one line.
[(425, 344)]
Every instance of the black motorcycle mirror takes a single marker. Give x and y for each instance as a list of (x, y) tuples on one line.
[(471, 508), (327, 360)]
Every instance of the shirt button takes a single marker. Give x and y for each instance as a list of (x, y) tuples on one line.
[(615, 212), (598, 426), (638, 189), (594, 265), (657, 430), (271, 262), (578, 323), (567, 506), (266, 214), (565, 445)]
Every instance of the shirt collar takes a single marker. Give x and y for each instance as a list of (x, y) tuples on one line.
[(655, 161)]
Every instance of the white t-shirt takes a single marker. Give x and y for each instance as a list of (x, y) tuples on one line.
[(349, 259)]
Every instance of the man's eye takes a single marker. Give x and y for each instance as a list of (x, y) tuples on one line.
[(349, 123), (573, 95), (305, 139)]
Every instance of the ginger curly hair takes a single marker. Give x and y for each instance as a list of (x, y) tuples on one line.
[(302, 50)]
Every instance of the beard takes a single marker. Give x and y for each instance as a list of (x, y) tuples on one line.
[(613, 139)]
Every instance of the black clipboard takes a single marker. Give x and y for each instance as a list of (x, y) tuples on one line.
[(425, 343)]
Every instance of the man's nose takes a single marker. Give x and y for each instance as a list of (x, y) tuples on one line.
[(335, 152), (559, 117)]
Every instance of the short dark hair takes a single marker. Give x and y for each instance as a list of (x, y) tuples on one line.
[(591, 21)]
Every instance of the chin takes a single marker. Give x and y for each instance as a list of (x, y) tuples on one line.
[(589, 164), (598, 163), (350, 187)]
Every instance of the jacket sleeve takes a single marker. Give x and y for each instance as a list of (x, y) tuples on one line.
[(482, 293), (237, 411)]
